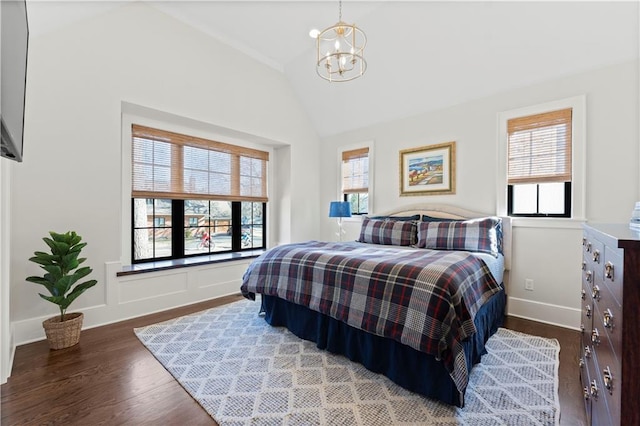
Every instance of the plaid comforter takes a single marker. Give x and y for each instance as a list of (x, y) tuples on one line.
[(426, 299)]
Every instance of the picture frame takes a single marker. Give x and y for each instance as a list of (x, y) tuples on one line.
[(428, 170)]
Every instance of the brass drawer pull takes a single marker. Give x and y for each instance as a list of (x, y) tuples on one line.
[(607, 319), (596, 256), (607, 379), (595, 293), (584, 265), (587, 352), (581, 363), (588, 276), (583, 294), (595, 337), (581, 328), (608, 270), (587, 312), (594, 388), (588, 247), (586, 393)]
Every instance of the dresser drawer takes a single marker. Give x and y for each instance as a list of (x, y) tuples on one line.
[(588, 277), (608, 318), (593, 252), (606, 373), (613, 273), (585, 380)]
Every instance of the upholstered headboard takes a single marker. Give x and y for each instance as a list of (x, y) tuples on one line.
[(452, 212)]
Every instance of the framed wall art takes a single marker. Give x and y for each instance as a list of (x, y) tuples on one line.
[(428, 170)]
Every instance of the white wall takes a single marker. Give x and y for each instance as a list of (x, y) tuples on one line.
[(7, 347), (78, 78), (548, 254)]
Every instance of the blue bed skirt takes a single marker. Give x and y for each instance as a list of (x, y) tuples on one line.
[(411, 369)]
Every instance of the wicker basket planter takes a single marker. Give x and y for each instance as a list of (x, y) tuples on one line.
[(63, 334)]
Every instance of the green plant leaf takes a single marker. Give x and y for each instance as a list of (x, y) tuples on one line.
[(79, 289), (61, 237), (75, 239), (54, 270), (43, 282), (63, 285), (51, 278), (42, 254), (78, 247), (53, 245), (82, 272), (47, 259), (58, 300), (71, 263)]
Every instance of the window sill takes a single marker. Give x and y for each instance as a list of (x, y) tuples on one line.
[(354, 218), (547, 222), (162, 265)]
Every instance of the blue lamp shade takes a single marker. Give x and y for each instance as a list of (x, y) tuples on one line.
[(340, 209)]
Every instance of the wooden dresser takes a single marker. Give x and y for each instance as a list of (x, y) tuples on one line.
[(610, 352)]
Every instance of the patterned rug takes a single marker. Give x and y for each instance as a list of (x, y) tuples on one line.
[(242, 371)]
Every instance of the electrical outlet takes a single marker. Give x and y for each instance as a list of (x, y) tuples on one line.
[(528, 284)]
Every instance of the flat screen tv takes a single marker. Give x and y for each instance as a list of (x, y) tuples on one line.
[(14, 41)]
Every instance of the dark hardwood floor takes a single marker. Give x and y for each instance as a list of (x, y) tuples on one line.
[(110, 378)]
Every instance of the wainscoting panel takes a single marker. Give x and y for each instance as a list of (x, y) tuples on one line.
[(212, 277), (150, 286)]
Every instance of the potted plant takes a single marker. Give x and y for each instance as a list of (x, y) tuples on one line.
[(62, 281)]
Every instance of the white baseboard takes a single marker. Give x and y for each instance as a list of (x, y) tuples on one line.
[(7, 366), (137, 295), (561, 316)]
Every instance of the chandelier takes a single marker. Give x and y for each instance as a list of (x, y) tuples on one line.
[(340, 51)]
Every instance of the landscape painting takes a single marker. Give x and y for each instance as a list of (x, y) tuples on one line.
[(428, 170)]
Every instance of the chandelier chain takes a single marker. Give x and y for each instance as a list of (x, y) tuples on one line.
[(340, 11)]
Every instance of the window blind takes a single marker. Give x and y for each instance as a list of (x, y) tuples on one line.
[(175, 166), (355, 171), (539, 148)]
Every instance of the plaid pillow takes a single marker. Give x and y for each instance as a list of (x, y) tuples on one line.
[(391, 232), (480, 235)]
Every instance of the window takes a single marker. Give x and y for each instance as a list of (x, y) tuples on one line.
[(539, 164), (192, 196), (355, 179)]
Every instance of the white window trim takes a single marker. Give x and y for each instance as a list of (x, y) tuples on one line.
[(578, 150), (341, 149)]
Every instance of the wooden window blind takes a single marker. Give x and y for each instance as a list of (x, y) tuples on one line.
[(539, 148), (355, 171), (175, 166)]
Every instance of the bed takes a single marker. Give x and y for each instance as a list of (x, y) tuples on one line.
[(415, 298)]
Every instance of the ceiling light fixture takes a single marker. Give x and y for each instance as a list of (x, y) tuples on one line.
[(340, 51)]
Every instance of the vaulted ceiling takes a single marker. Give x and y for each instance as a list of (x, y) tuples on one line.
[(421, 55)]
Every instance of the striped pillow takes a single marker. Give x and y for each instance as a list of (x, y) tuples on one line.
[(479, 235), (390, 232)]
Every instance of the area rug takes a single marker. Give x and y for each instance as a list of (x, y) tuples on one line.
[(242, 371)]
